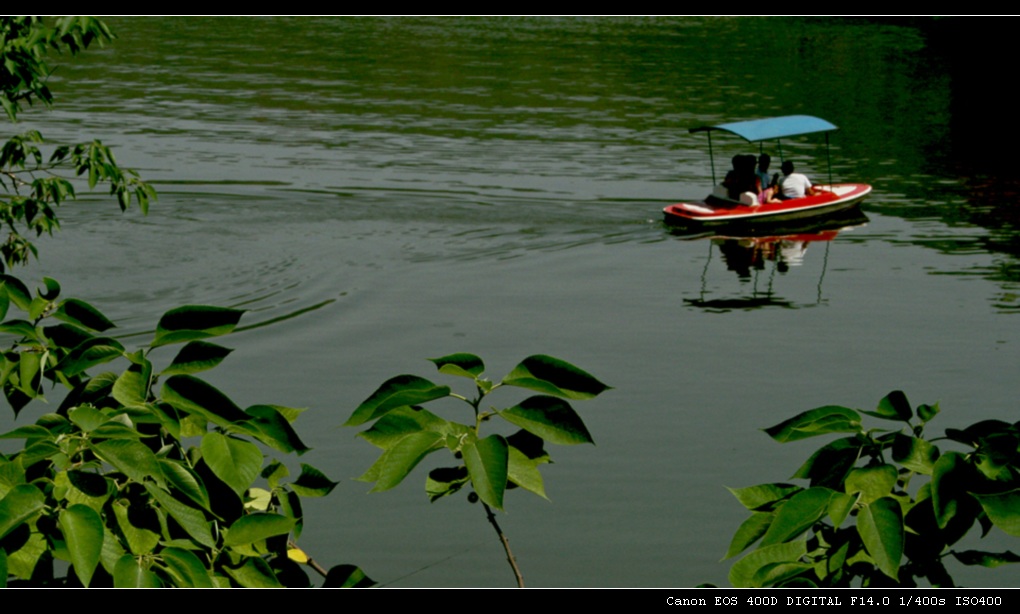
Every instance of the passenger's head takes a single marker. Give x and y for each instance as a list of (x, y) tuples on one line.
[(763, 162), (787, 167), (746, 164)]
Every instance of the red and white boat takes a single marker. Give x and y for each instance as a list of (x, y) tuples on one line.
[(719, 208)]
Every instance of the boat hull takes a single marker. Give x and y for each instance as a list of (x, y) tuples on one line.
[(717, 211)]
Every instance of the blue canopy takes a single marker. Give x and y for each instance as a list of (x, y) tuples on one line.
[(773, 128)]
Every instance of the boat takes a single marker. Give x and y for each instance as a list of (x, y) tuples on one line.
[(719, 208)]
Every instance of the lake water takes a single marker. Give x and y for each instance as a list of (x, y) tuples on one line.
[(381, 191)]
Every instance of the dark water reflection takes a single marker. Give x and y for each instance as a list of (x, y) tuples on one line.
[(378, 191)]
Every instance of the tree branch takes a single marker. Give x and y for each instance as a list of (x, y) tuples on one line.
[(506, 546)]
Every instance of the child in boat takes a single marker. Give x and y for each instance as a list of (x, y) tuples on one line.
[(767, 191)]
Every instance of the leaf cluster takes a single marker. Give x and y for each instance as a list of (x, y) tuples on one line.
[(143, 476), (406, 432), (25, 42), (35, 183), (883, 507)]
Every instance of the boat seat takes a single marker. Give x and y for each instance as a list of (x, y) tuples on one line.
[(749, 199)]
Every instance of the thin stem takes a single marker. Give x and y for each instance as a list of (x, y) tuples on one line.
[(311, 562), (506, 546)]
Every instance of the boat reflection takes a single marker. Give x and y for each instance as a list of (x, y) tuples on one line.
[(753, 250)]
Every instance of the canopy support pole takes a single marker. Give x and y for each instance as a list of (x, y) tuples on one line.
[(828, 158), (711, 157)]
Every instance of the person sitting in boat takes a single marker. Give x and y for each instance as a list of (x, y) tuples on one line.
[(766, 180), (794, 185), (742, 178), (767, 186)]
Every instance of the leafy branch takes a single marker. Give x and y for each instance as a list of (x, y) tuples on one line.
[(900, 531), (109, 483), (406, 432)]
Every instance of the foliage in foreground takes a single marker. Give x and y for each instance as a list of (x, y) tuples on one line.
[(884, 506), (407, 433), (134, 483), (143, 475)]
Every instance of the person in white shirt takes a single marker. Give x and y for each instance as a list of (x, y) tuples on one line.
[(794, 185)]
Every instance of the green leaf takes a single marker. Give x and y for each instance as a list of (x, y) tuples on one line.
[(927, 412), (831, 463), (820, 421), (400, 391), (463, 365), (530, 446), (402, 421), (915, 454), (273, 429), (116, 430), (312, 483), (21, 328), (797, 515), (258, 499), (749, 532), (840, 506), (232, 460), (880, 526), (550, 418), (396, 462), (66, 335), (16, 291), (28, 373), (20, 504), (743, 572), (445, 481), (29, 431), (193, 322), (274, 472), (556, 377), (486, 461), (186, 481), (82, 314), (872, 482), (87, 418), (192, 395), (776, 575), (24, 562), (132, 458), (894, 406), (197, 356), (95, 351), (949, 483), (763, 495), (1003, 510), (191, 520), (347, 576), (129, 573), (257, 527), (3, 568), (254, 573), (186, 568), (132, 387), (138, 526), (523, 472), (83, 531), (290, 506), (52, 290), (88, 488), (986, 559)]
